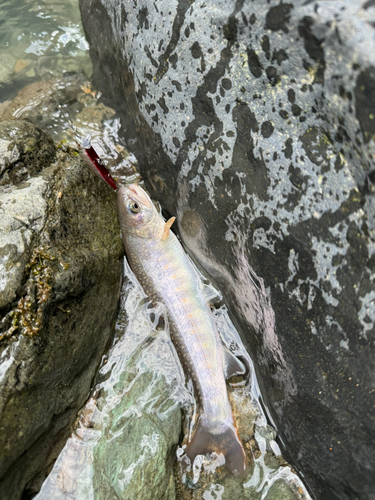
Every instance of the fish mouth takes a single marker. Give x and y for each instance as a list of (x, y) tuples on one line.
[(139, 194)]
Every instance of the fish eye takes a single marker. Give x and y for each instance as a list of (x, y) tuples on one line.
[(133, 207)]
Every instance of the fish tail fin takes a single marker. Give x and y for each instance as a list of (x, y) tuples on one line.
[(227, 442)]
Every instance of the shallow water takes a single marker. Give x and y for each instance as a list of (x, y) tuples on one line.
[(45, 39), (45, 69)]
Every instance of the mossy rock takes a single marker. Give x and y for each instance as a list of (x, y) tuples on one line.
[(59, 240)]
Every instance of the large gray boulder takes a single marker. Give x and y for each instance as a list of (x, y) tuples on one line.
[(254, 123), (60, 277)]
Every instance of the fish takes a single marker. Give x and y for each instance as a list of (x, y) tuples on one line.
[(166, 274)]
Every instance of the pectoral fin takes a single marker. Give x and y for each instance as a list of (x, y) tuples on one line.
[(167, 227), (232, 365)]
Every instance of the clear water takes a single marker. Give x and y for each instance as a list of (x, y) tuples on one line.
[(44, 39), (45, 77)]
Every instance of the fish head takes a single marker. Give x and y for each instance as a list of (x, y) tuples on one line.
[(138, 215)]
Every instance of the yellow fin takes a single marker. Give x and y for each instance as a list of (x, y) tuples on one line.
[(167, 227)]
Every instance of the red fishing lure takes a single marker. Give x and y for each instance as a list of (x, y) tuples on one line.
[(92, 160)]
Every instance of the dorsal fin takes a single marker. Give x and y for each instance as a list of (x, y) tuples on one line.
[(167, 227)]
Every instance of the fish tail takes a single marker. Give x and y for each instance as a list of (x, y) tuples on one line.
[(207, 440)]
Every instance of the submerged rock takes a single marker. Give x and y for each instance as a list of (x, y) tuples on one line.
[(60, 276), (48, 104), (254, 123), (7, 63)]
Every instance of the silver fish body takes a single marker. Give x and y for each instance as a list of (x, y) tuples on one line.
[(166, 274)]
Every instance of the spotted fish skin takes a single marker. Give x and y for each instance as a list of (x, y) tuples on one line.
[(166, 275)]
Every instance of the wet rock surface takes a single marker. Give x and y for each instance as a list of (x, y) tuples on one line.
[(254, 124), (51, 103), (39, 101), (60, 279), (122, 447), (24, 151)]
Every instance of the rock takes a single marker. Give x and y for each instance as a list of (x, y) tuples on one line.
[(254, 124), (21, 64), (144, 440), (24, 152), (59, 286), (280, 491), (39, 102), (7, 63)]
